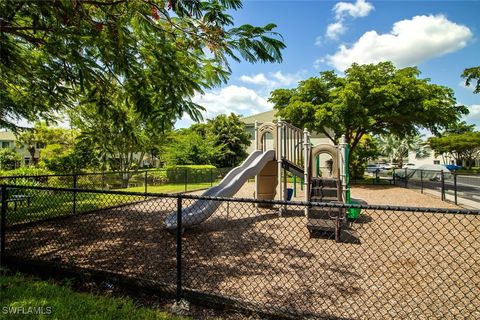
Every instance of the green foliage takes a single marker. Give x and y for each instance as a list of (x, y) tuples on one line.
[(189, 146), (8, 159), (157, 51), (462, 147), (229, 138), (367, 149), (118, 137), (64, 303), (471, 74), (42, 135), (397, 148), (26, 171), (374, 99), (221, 141)]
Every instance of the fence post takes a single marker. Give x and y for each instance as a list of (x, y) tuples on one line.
[(3, 223), (211, 177), (146, 181), (393, 177), (406, 178), (455, 186), (186, 178), (178, 294), (421, 180), (443, 185), (74, 194)]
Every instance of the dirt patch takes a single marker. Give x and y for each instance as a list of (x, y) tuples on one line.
[(397, 196), (406, 264)]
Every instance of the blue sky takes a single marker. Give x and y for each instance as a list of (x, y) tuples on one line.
[(440, 37)]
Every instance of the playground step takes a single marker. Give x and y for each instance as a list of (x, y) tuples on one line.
[(323, 199), (324, 192), (325, 182)]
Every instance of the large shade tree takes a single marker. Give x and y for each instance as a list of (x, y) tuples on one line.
[(463, 147), (370, 99), (159, 52)]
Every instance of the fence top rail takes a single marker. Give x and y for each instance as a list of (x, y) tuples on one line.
[(249, 200), (104, 173), (444, 171)]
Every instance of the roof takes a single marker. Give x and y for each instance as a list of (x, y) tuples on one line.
[(7, 136), (267, 116)]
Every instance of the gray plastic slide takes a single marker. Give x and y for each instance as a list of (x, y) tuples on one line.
[(201, 210)]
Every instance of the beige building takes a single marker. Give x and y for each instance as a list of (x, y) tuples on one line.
[(9, 140), (269, 116)]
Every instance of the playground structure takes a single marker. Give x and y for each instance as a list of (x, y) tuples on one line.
[(282, 148)]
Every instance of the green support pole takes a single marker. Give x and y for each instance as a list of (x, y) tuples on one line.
[(317, 165), (294, 185)]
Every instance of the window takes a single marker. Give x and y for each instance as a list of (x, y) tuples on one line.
[(436, 161), (27, 161), (5, 144)]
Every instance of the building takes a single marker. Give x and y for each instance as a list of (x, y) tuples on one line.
[(269, 116), (9, 140)]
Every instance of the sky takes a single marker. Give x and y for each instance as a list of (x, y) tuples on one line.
[(440, 37)]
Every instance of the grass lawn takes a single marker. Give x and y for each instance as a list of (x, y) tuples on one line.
[(48, 204), (25, 295), (44, 204), (172, 188)]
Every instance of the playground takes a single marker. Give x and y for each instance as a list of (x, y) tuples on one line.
[(401, 262), (383, 261)]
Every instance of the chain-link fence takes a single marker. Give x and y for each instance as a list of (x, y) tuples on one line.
[(173, 180), (391, 262), (449, 186)]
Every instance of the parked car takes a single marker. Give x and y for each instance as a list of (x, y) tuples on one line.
[(374, 168), (389, 166), (409, 166)]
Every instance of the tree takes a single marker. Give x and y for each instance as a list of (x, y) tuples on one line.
[(230, 138), (397, 149), (367, 149), (370, 99), (190, 146), (464, 147), (8, 159), (118, 136), (471, 74), (157, 51), (221, 142), (42, 135)]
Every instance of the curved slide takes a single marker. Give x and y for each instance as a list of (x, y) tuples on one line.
[(201, 210)]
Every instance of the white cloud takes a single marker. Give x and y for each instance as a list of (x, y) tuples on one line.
[(335, 30), (236, 99), (410, 42), (318, 41), (274, 79), (258, 79), (344, 10), (474, 116), (360, 8)]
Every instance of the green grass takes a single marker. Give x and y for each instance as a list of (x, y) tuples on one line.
[(25, 292), (49, 204), (171, 188)]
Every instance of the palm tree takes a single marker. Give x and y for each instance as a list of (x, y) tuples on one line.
[(396, 148)]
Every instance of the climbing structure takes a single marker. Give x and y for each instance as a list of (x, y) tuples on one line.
[(295, 154)]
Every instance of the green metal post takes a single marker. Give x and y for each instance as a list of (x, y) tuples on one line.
[(294, 185)]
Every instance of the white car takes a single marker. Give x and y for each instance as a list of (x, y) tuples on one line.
[(409, 166)]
